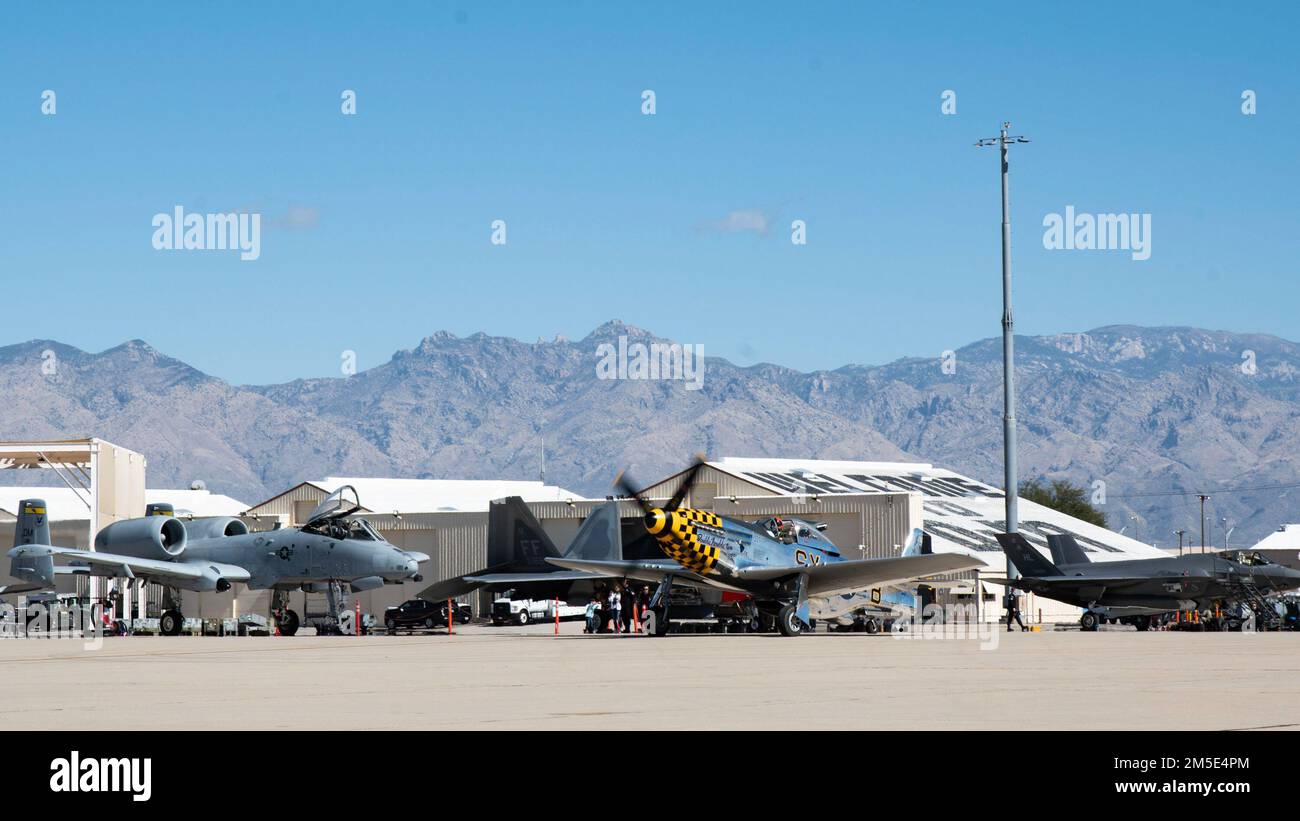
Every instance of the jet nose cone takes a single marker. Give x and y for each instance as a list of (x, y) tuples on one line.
[(655, 521)]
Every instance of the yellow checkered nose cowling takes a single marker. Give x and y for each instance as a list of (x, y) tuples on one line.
[(678, 534)]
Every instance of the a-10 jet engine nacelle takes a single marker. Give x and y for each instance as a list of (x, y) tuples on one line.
[(153, 537), (214, 527)]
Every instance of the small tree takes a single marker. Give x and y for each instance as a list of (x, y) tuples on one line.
[(1063, 496)]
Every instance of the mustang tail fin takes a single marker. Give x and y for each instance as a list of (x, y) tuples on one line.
[(600, 537), (918, 544), (1066, 550), (1023, 555), (516, 538)]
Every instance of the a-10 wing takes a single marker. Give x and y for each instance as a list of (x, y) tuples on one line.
[(115, 564)]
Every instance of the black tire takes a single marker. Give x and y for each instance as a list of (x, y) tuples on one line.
[(1142, 625), (1089, 622), (390, 624), (171, 622), (871, 626), (788, 623), (429, 623), (289, 623), (521, 618)]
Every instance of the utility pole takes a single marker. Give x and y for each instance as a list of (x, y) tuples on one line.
[(1180, 541), (1202, 497), (1003, 140)]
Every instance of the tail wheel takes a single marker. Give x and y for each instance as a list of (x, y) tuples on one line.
[(1089, 622), (170, 623), (288, 623), (787, 622)]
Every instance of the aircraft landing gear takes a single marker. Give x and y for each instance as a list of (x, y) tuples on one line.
[(787, 622), (171, 622), (285, 619), (1089, 622), (288, 623), (656, 621)]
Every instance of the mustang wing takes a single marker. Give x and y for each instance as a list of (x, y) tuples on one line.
[(846, 577)]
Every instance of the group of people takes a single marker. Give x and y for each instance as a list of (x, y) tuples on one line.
[(613, 608)]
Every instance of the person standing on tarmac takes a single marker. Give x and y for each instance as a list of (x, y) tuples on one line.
[(1013, 611), (615, 607), (628, 599)]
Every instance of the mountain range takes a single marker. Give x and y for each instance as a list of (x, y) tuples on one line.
[(1143, 417)]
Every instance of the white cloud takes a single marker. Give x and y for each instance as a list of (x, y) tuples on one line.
[(737, 222)]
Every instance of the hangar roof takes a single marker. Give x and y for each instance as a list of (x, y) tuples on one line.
[(1286, 537), (433, 495), (66, 505), (961, 514)]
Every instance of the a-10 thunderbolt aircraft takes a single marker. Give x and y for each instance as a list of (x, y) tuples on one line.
[(792, 572), (1133, 591), (210, 554)]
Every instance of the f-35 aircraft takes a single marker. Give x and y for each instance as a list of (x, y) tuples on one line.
[(791, 571), (1133, 591), (210, 554)]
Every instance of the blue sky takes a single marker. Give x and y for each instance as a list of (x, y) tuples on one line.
[(531, 113)]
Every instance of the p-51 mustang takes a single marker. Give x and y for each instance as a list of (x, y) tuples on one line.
[(210, 554), (791, 571)]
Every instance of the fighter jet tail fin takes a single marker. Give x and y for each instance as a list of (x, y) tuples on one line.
[(1066, 550), (1023, 555), (515, 537), (33, 525), (600, 537)]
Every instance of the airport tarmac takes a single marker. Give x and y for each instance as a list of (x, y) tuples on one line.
[(506, 678)]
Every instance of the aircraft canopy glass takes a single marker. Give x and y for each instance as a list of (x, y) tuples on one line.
[(336, 505)]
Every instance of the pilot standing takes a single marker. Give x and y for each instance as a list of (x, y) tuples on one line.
[(1013, 610)]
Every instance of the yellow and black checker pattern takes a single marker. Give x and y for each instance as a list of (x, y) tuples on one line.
[(680, 539)]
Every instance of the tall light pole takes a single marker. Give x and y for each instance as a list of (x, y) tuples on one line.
[(1008, 341), (1203, 499)]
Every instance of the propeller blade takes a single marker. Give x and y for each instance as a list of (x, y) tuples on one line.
[(688, 481), (627, 490)]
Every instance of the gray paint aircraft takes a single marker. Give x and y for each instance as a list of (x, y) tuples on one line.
[(1135, 590), (211, 554), (518, 548), (792, 572)]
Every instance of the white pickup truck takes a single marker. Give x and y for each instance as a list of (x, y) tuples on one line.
[(506, 610)]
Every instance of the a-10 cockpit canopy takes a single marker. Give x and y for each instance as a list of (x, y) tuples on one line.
[(327, 518), (340, 503)]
